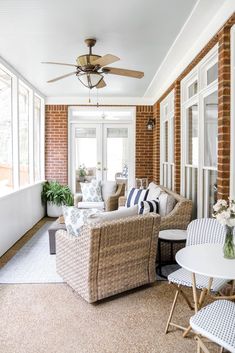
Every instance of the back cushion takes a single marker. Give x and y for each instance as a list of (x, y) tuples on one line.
[(108, 188), (154, 191), (135, 196), (166, 203)]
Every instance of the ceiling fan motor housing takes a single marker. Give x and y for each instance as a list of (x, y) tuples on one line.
[(86, 60)]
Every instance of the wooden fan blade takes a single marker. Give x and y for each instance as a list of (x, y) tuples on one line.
[(105, 60), (50, 62), (123, 72), (61, 77), (101, 84)]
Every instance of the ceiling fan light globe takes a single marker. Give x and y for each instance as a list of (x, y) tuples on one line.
[(90, 80)]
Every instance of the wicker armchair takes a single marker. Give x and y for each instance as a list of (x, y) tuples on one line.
[(179, 217), (111, 204), (109, 258)]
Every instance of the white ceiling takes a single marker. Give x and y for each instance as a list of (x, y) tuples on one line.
[(139, 32), (145, 34)]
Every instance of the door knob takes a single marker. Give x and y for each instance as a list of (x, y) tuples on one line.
[(105, 168)]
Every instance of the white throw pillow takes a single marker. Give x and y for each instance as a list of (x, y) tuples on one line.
[(91, 192), (108, 188), (135, 196), (113, 215), (74, 218), (166, 204), (154, 191)]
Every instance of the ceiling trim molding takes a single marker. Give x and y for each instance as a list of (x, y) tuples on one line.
[(101, 100), (161, 82)]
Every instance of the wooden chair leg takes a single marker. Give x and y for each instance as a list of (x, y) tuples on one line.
[(172, 309), (201, 345)]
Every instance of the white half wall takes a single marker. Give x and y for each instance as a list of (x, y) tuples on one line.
[(19, 212)]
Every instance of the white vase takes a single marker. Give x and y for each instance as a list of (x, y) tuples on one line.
[(53, 210)]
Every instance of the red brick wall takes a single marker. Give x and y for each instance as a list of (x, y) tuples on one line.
[(56, 145)]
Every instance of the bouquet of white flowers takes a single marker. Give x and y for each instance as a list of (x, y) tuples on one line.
[(224, 212)]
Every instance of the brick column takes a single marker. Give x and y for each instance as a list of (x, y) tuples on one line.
[(56, 143), (224, 112), (156, 143), (177, 136), (144, 143)]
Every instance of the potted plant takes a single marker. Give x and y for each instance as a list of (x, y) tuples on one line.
[(55, 196), (82, 171)]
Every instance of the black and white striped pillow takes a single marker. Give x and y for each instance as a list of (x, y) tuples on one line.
[(135, 196), (148, 206)]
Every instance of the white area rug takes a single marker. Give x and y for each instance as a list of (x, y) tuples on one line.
[(33, 262)]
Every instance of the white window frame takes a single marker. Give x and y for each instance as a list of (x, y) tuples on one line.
[(232, 117), (167, 168), (16, 78), (203, 91)]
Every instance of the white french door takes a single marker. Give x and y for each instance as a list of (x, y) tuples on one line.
[(104, 150)]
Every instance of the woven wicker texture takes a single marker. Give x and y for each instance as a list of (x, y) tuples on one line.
[(109, 258), (217, 322)]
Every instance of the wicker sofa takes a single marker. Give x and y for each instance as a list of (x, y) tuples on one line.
[(179, 217), (109, 258)]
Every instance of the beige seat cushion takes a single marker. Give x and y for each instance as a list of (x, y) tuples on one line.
[(121, 213), (98, 205)]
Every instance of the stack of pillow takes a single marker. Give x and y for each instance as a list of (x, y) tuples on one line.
[(139, 201)]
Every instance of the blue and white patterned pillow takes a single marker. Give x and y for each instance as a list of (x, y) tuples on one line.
[(135, 196), (148, 206), (75, 218), (91, 192)]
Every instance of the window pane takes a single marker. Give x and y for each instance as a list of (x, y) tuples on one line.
[(166, 141), (23, 135), (36, 141), (6, 183), (212, 74), (192, 135), (211, 129), (192, 89)]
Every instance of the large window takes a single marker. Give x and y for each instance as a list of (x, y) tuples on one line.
[(23, 135), (167, 141), (200, 135), (6, 175), (21, 119)]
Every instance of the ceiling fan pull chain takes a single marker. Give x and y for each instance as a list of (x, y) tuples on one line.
[(97, 98), (89, 95)]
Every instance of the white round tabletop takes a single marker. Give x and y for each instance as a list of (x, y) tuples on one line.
[(207, 260)]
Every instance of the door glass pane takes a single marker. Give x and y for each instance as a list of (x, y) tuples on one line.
[(6, 183), (36, 137), (23, 135), (85, 155), (192, 89), (212, 74), (117, 154), (211, 129), (192, 135), (209, 191)]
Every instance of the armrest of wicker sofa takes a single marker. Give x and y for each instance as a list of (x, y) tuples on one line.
[(73, 263), (77, 198), (121, 201), (112, 202), (179, 217)]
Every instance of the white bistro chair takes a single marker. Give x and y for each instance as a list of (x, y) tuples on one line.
[(217, 323), (199, 231)]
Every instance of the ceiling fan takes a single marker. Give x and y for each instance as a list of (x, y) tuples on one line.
[(91, 68)]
